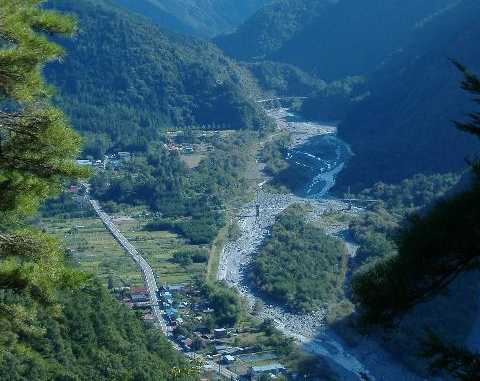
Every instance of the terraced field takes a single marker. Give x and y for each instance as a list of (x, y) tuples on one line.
[(94, 250)]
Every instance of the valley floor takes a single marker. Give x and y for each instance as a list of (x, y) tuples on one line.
[(368, 359)]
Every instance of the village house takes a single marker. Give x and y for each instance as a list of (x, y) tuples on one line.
[(268, 369)]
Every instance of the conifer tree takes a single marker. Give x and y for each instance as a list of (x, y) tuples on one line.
[(37, 147), (471, 83)]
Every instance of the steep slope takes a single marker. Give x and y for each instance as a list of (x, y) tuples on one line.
[(91, 337), (405, 126), (271, 27), (124, 79), (354, 38), (284, 79), (204, 18), (330, 38), (159, 15)]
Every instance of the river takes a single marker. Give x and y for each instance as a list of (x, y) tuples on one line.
[(316, 156)]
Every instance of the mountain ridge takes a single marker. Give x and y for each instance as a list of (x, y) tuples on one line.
[(398, 133), (159, 80), (202, 18)]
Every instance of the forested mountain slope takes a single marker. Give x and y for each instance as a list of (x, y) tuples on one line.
[(204, 18), (92, 337), (404, 126), (271, 27), (330, 38), (56, 323), (354, 38), (124, 79)]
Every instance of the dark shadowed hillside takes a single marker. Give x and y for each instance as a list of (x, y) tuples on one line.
[(271, 27), (330, 38), (405, 126)]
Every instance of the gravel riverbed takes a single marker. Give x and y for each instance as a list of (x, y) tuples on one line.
[(364, 362)]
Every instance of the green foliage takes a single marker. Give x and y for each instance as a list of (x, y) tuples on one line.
[(37, 147), (412, 193), (471, 83), (225, 302), (159, 81), (199, 230), (50, 328), (333, 101), (433, 250), (37, 150), (157, 179), (65, 206), (376, 230), (91, 337), (269, 29), (274, 156), (285, 79), (234, 232), (190, 201), (459, 362), (20, 62), (395, 134), (328, 38), (299, 264), (190, 256), (204, 18)]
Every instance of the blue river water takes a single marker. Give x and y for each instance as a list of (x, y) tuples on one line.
[(315, 164)]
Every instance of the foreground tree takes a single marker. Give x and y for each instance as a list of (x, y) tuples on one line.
[(37, 149), (433, 251), (455, 360)]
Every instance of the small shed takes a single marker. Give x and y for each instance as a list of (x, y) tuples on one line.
[(228, 359), (220, 333)]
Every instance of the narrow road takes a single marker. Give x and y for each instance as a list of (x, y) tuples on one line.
[(148, 275), (151, 285)]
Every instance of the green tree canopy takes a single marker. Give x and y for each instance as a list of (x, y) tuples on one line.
[(37, 145), (434, 249)]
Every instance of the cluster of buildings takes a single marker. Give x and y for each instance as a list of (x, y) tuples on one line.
[(188, 148), (114, 161), (216, 344)]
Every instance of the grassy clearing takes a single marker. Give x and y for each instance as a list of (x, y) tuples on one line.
[(215, 254), (95, 251), (192, 161)]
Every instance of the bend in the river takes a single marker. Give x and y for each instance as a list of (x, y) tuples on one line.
[(317, 150)]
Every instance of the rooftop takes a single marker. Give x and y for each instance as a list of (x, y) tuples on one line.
[(268, 368)]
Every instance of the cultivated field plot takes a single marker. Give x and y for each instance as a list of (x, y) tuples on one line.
[(159, 248), (94, 250)]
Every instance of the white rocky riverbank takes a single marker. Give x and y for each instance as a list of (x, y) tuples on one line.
[(364, 362), (234, 266), (237, 255)]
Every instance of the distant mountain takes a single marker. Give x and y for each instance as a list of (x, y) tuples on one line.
[(125, 79), (330, 38), (262, 35), (204, 18), (398, 121), (405, 125)]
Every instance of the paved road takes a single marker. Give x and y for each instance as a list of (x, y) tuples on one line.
[(148, 275), (151, 285)]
